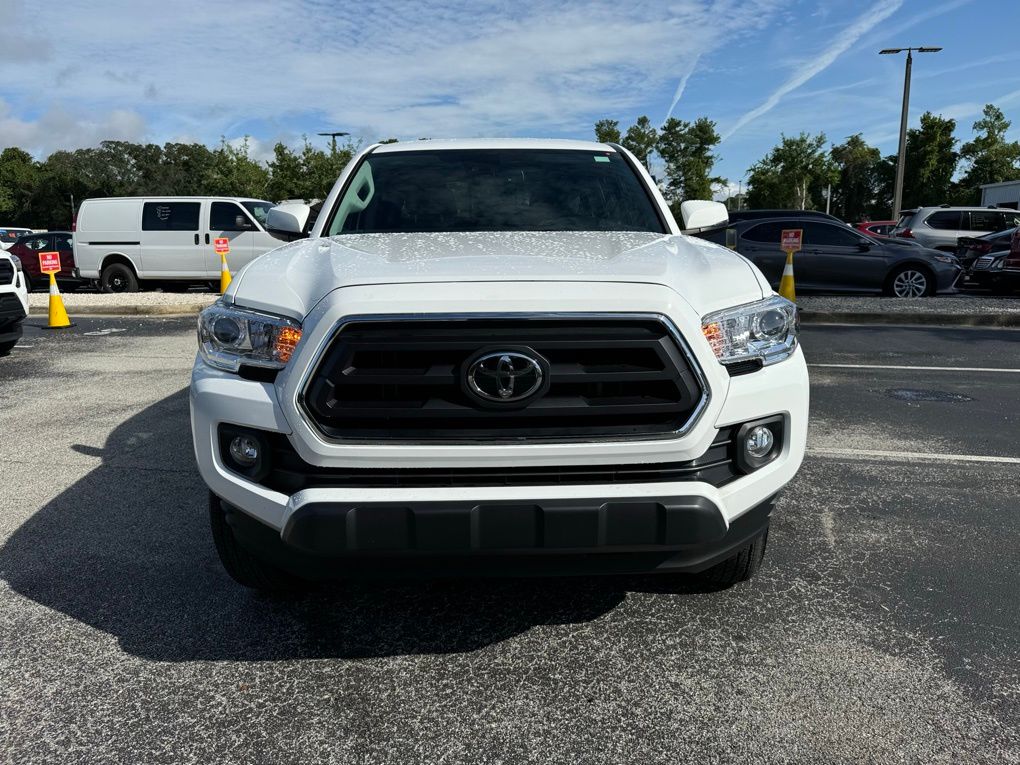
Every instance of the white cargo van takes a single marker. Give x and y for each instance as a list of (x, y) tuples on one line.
[(122, 241)]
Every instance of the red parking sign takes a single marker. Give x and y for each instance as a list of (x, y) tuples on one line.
[(49, 262), (791, 239), (222, 245)]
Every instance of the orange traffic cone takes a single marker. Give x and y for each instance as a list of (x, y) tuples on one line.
[(58, 314), (786, 288), (224, 273)]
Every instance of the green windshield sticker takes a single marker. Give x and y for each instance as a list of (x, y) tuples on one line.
[(601, 159)]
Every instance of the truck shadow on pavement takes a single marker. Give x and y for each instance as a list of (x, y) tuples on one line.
[(127, 550)]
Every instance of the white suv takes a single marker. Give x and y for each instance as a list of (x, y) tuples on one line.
[(496, 355), (13, 301)]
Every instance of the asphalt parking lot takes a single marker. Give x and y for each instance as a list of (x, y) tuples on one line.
[(884, 627)]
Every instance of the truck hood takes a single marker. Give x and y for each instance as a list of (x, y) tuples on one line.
[(292, 279)]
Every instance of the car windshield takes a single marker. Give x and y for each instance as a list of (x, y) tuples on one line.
[(10, 235), (495, 190), (259, 210)]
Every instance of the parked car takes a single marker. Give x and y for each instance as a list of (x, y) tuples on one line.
[(28, 247), (123, 242), (970, 248), (876, 227), (13, 301), (941, 227), (740, 215), (9, 236), (1010, 274), (496, 355), (836, 258)]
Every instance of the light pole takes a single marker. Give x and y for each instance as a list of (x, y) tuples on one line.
[(901, 155), (334, 136)]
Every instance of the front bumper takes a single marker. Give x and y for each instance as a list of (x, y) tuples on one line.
[(679, 524), (12, 313)]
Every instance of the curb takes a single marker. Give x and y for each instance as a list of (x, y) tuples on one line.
[(950, 319), (179, 309)]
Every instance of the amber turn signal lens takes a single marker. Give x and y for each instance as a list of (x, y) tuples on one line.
[(285, 343), (714, 334)]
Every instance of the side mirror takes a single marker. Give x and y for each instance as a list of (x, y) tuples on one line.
[(700, 213), (287, 222), (863, 245)]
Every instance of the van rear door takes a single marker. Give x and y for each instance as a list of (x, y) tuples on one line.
[(171, 245)]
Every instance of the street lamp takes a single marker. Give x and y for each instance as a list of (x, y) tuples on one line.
[(334, 136), (901, 156)]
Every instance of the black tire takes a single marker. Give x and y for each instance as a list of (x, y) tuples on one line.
[(245, 568), (741, 566), (118, 277), (910, 281), (7, 347)]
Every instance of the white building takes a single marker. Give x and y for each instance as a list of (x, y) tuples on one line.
[(1005, 194)]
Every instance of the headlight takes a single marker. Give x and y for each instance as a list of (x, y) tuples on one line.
[(997, 264), (765, 330), (229, 337), (946, 259), (17, 263)]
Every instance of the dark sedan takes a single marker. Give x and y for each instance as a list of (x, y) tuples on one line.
[(970, 248), (837, 258)]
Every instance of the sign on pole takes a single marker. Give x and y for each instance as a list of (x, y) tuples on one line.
[(791, 239), (49, 262), (221, 245)]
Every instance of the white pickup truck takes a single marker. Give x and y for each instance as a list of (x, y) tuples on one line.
[(13, 301), (496, 356)]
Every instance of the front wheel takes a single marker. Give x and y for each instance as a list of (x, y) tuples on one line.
[(118, 277), (7, 347), (741, 566), (910, 282)]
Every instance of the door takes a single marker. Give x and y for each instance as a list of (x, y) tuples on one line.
[(171, 247), (761, 245), (63, 244), (837, 258), (228, 220), (28, 250)]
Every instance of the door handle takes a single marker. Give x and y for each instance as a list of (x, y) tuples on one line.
[(196, 238), (207, 239)]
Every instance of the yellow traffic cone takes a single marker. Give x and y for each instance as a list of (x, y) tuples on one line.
[(224, 273), (58, 315), (786, 283)]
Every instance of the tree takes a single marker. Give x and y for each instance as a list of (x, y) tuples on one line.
[(234, 173), (287, 179), (793, 174), (641, 139), (607, 131), (19, 175), (686, 150), (989, 158), (856, 190), (930, 164)]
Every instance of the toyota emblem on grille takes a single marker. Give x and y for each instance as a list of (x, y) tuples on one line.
[(506, 377)]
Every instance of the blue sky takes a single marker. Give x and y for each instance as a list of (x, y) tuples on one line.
[(74, 73)]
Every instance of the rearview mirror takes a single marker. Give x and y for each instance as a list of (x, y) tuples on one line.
[(698, 214), (288, 222)]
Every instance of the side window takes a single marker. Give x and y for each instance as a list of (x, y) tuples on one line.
[(1010, 219), (63, 242), (980, 220), (771, 233), (38, 243), (170, 216), (945, 220), (828, 235), (226, 216)]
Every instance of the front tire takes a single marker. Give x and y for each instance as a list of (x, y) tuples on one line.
[(7, 347), (741, 566), (118, 277), (910, 282), (245, 568)]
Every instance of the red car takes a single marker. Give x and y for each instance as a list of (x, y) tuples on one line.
[(876, 227), (28, 247)]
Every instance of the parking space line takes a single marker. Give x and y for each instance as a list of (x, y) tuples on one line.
[(913, 456), (920, 369)]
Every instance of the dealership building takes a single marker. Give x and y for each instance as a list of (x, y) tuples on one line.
[(1005, 194)]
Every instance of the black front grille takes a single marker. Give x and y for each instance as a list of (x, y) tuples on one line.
[(403, 381), (6, 271), (290, 474), (10, 305)]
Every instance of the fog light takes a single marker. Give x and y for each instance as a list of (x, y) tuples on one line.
[(758, 442), (244, 450)]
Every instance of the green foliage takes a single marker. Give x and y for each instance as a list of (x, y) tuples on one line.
[(641, 139), (607, 131), (686, 149), (931, 162), (793, 175), (989, 158), (855, 193), (19, 175)]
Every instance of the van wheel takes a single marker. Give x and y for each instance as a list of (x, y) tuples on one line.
[(118, 277)]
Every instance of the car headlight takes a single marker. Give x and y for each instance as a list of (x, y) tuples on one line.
[(17, 263), (950, 259), (230, 337), (997, 264), (766, 330)]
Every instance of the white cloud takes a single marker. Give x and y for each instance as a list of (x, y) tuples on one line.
[(59, 129), (811, 67)]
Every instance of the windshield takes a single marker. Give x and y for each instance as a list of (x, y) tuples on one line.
[(10, 235), (495, 190), (259, 210)]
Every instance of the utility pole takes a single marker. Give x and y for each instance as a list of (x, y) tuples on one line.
[(334, 136), (901, 154)]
